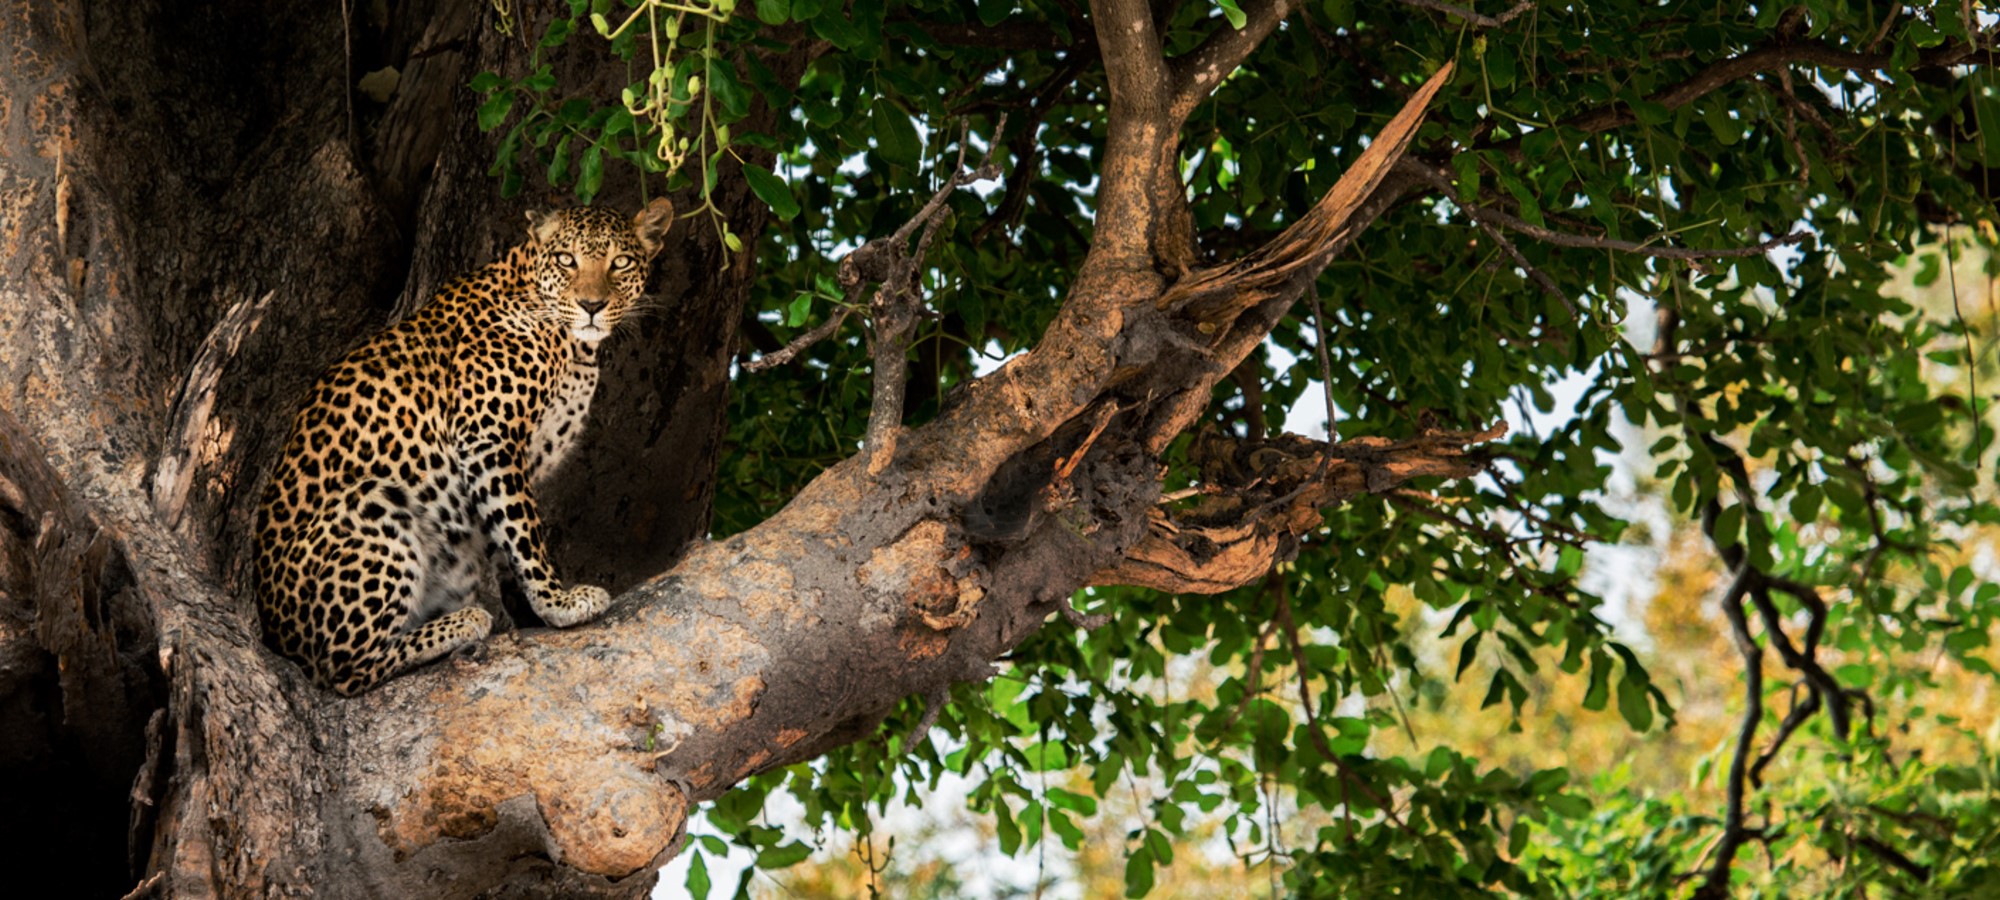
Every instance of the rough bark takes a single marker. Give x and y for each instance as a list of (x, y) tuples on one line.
[(196, 215)]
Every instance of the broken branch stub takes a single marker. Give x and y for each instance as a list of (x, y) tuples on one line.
[(1271, 494), (1215, 296), (899, 302)]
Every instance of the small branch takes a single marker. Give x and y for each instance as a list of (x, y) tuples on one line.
[(1894, 857), (1483, 21), (146, 887), (1784, 54), (1313, 733), (1080, 620), (1801, 711), (934, 703), (1487, 218), (1197, 72), (1255, 668), (786, 353)]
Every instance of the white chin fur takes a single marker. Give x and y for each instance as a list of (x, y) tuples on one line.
[(589, 333)]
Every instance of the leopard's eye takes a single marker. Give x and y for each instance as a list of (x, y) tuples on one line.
[(566, 261), (622, 262)]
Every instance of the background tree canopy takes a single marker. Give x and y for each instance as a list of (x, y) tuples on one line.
[(1658, 236), (1649, 546)]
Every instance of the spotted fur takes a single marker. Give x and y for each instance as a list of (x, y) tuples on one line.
[(411, 463)]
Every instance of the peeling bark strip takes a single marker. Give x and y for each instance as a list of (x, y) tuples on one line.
[(556, 764), (1263, 496)]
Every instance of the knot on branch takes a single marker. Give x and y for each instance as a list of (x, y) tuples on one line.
[(935, 573), (1259, 496)]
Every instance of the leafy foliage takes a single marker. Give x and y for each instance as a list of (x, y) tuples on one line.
[(1857, 414)]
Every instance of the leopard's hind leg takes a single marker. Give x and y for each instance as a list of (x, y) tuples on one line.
[(431, 641), (388, 571)]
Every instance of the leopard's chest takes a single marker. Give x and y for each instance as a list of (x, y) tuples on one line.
[(562, 419)]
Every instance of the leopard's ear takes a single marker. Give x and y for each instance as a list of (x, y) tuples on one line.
[(542, 225), (651, 224)]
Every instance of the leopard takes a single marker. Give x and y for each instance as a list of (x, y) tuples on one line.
[(412, 463)]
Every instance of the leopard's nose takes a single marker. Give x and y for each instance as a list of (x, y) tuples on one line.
[(590, 307)]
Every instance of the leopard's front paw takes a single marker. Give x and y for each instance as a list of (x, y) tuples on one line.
[(575, 605)]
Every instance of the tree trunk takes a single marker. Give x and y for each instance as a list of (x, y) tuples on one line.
[(197, 214)]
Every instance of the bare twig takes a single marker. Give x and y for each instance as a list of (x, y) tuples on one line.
[(1483, 21), (1484, 219), (1078, 619), (1313, 733), (146, 887), (934, 703), (1802, 709), (1324, 354), (792, 349)]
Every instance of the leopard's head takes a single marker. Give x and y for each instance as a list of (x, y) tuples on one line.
[(590, 264)]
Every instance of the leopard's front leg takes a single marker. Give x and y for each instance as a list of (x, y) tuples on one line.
[(507, 511)]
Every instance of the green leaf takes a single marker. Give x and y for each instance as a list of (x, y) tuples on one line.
[(1633, 704), (993, 12), (895, 136), (1073, 801), (1438, 763), (798, 310), (591, 176), (697, 880), (837, 31), (772, 190), (774, 12), (559, 166), (783, 856), (1139, 872), (495, 110), (1233, 13), (486, 81), (1599, 691), (730, 92), (1046, 756)]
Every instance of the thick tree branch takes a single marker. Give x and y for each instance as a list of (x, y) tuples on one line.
[(1140, 147)]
